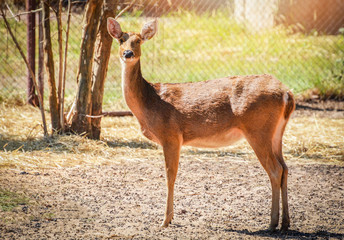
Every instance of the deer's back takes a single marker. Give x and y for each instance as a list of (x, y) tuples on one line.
[(200, 110), (234, 95)]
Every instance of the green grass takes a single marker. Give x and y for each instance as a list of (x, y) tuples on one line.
[(10, 200), (191, 47)]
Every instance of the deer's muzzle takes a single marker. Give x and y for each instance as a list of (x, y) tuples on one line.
[(128, 54)]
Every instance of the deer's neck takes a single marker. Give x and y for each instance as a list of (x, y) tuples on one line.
[(135, 87)]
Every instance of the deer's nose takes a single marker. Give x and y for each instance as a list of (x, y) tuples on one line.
[(128, 54)]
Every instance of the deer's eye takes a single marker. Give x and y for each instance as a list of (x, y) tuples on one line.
[(121, 41), (138, 41)]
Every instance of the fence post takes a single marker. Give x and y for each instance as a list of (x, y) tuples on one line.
[(31, 48), (256, 15)]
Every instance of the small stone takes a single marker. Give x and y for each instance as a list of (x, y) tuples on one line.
[(25, 209)]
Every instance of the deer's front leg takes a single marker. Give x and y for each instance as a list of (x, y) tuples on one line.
[(171, 153)]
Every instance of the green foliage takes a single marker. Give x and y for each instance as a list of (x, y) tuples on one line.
[(333, 86), (10, 200), (194, 47)]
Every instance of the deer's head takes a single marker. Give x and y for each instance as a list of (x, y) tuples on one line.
[(130, 43)]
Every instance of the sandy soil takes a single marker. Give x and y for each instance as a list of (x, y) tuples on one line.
[(215, 198), (218, 199)]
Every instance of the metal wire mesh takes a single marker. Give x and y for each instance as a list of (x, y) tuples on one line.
[(300, 42)]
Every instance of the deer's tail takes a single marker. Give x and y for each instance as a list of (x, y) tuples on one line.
[(290, 104)]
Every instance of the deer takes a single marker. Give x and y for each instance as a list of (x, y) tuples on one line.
[(208, 114)]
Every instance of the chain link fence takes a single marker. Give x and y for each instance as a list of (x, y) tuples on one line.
[(300, 42)]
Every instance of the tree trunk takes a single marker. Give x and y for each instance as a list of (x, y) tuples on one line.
[(59, 39), (81, 124), (41, 57), (60, 42), (49, 66), (101, 60), (31, 48)]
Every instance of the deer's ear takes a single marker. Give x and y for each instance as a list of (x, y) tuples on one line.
[(149, 29), (114, 28)]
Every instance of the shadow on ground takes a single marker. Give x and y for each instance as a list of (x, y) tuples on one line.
[(57, 145), (289, 234), (131, 144)]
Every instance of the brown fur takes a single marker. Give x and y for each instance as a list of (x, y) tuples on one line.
[(212, 113)]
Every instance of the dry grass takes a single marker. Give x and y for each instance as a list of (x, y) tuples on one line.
[(22, 145)]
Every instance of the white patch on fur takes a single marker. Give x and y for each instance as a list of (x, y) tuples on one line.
[(285, 98), (125, 75), (163, 90), (217, 140)]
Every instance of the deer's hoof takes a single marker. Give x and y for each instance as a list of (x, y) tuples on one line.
[(285, 227), (167, 221), (272, 229), (165, 224)]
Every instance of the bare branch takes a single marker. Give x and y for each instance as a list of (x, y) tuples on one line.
[(71, 113), (125, 9), (117, 114), (112, 114), (59, 37), (41, 107), (65, 69), (15, 16), (9, 9)]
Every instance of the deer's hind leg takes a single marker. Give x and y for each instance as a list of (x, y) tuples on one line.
[(284, 188), (277, 149), (261, 142)]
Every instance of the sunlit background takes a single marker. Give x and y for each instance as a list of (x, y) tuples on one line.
[(298, 41)]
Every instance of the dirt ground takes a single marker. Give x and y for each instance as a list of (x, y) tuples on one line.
[(215, 198)]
